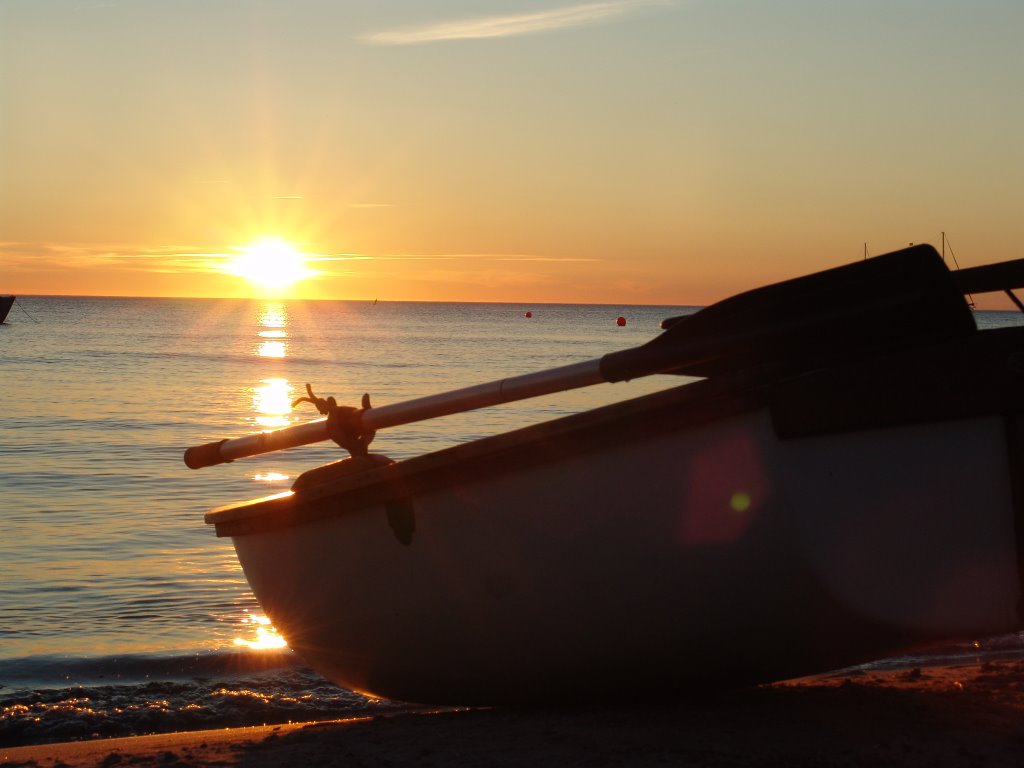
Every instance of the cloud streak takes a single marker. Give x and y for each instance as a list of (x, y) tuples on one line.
[(512, 25), (480, 257), (173, 259)]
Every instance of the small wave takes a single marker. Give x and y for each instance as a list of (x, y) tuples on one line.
[(49, 699), (56, 670), (222, 358)]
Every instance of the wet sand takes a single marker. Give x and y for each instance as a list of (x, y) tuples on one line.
[(970, 714)]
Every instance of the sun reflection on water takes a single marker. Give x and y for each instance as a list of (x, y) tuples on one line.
[(272, 397), (273, 403), (266, 636), (274, 315), (271, 349)]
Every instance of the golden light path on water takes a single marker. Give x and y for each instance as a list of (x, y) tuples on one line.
[(274, 315), (272, 403), (272, 349), (272, 400), (270, 477)]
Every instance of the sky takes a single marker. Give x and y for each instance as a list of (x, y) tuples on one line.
[(617, 151)]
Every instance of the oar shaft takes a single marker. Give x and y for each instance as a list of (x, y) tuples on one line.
[(223, 451), (444, 404), (482, 395), (989, 278)]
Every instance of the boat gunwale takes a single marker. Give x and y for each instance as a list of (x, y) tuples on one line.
[(688, 406), (494, 453)]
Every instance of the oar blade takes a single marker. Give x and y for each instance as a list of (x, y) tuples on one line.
[(799, 324)]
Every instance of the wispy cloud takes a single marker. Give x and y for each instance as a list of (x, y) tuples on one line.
[(481, 257), (173, 259), (512, 25), (486, 267)]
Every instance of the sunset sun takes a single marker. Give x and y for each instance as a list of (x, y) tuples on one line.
[(269, 264)]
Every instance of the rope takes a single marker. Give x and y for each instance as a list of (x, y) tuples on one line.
[(945, 242), (344, 426), (18, 303)]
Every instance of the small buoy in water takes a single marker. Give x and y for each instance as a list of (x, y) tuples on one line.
[(529, 314), (620, 322)]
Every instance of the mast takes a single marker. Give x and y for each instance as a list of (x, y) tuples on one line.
[(970, 299)]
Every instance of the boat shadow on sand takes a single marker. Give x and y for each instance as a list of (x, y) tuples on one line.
[(957, 715)]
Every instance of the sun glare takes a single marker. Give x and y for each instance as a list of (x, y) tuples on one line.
[(270, 264), (267, 637)]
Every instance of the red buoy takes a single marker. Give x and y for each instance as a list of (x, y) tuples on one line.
[(620, 322), (529, 314)]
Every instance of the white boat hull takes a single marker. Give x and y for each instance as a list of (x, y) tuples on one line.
[(678, 541)]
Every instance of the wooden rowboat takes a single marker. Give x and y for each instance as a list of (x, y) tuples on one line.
[(853, 489)]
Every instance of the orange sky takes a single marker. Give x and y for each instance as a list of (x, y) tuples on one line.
[(625, 151)]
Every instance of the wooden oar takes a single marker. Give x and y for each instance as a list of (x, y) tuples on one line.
[(1004, 276), (406, 412), (794, 325)]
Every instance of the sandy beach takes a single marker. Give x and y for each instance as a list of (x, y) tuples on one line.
[(970, 714)]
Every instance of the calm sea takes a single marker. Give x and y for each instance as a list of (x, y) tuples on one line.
[(120, 611)]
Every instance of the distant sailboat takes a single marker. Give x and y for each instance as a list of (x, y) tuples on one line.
[(6, 302)]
